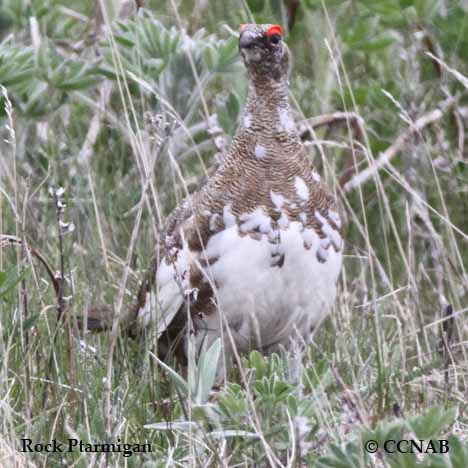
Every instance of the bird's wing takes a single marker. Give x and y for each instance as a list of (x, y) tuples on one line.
[(163, 297), (167, 286)]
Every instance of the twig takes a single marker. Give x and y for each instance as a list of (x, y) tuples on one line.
[(61, 280), (355, 124), (15, 241), (26, 332), (334, 118), (397, 146), (461, 133), (459, 76), (60, 207), (446, 341), (429, 43)]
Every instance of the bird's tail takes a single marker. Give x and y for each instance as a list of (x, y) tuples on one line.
[(101, 318)]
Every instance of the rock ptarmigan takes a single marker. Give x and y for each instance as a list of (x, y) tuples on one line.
[(254, 256)]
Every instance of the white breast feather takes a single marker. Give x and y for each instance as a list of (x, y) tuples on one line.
[(267, 304), (263, 304)]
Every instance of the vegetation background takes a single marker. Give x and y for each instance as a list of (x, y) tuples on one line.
[(108, 116)]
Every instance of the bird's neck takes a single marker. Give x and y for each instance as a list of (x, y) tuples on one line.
[(265, 98), (267, 135)]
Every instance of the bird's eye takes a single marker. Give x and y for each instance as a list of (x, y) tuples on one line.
[(275, 38), (274, 33)]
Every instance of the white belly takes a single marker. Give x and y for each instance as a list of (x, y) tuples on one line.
[(266, 305)]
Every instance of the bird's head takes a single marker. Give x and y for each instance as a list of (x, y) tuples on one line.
[(263, 50)]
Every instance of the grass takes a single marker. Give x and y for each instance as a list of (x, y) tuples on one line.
[(389, 363)]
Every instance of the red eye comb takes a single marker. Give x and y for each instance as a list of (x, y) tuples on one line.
[(242, 27), (275, 29)]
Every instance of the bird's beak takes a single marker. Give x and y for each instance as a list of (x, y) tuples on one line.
[(247, 39)]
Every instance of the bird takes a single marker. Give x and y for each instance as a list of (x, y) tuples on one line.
[(253, 258)]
